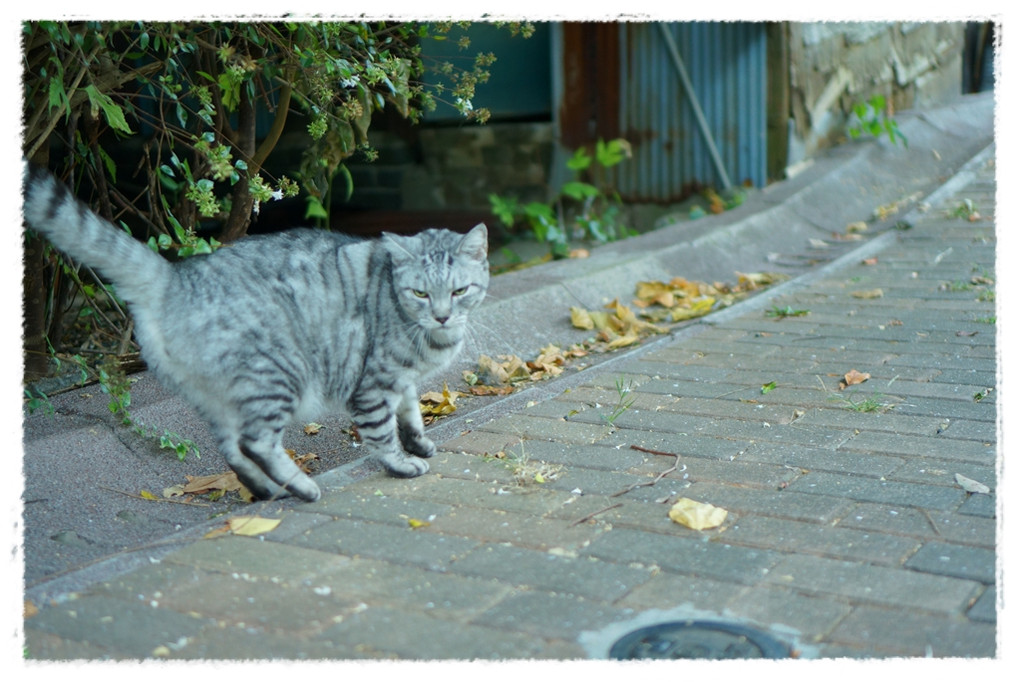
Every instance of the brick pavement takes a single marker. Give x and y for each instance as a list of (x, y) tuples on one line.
[(847, 533)]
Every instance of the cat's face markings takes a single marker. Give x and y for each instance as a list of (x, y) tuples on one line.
[(439, 276)]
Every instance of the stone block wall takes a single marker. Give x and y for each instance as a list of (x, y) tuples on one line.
[(459, 167), (834, 65)]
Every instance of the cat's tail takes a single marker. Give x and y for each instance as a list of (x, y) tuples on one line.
[(50, 208)]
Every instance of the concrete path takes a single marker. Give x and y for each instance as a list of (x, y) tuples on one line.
[(848, 530)]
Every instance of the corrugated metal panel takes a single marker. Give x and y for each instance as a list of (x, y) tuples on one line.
[(726, 63)]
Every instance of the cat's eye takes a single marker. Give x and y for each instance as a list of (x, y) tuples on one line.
[(419, 293), (460, 292)]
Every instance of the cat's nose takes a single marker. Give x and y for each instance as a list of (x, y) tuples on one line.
[(443, 319)]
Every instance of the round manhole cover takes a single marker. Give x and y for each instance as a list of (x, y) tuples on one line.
[(697, 639)]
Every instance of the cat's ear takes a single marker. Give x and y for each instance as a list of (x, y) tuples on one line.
[(394, 245), (475, 244)]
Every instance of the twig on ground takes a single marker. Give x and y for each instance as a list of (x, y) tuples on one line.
[(595, 513)]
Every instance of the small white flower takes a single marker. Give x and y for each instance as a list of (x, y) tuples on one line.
[(464, 105), (277, 195), (350, 82)]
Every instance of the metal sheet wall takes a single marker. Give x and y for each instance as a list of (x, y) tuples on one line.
[(726, 63)]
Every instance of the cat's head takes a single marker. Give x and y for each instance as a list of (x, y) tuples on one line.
[(439, 276)]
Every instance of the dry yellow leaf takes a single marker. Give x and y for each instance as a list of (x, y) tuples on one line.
[(580, 318), (697, 515), (145, 494), (417, 523), (251, 525), (868, 293)]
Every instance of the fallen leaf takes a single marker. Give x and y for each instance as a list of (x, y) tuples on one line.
[(145, 494), (578, 253), (580, 318), (312, 429), (251, 525), (768, 387), (852, 378), (972, 486), (490, 390), (870, 261), (30, 609), (435, 404), (226, 481), (505, 369), (867, 293), (697, 515), (174, 491), (417, 523)]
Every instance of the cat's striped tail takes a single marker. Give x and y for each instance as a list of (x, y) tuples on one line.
[(51, 208)]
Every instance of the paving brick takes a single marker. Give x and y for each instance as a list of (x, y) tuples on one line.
[(668, 590), (686, 444), (822, 459), (43, 646), (906, 633), (133, 629), (666, 422), (546, 614), (429, 637), (382, 583), (979, 505), (959, 561), (254, 557), (535, 499), (596, 456), (383, 541), (497, 525), (223, 641), (921, 446), (960, 528), (862, 489), (552, 572), (812, 616), (687, 553), (364, 504), (985, 609), (480, 442), (931, 471), (540, 428), (882, 585), (822, 540)]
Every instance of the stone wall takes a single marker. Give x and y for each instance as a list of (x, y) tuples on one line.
[(834, 65), (457, 167)]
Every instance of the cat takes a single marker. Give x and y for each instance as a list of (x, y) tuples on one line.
[(283, 327)]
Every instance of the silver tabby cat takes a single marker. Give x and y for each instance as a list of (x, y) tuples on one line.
[(277, 328)]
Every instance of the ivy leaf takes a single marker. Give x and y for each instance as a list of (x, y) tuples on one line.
[(111, 110)]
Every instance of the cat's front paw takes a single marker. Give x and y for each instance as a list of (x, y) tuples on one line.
[(420, 447), (406, 467)]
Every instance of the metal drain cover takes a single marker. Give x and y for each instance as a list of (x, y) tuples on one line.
[(697, 639)]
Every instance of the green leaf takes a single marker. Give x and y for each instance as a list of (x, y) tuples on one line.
[(579, 161), (111, 110), (609, 153), (314, 209), (580, 190), (768, 387)]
